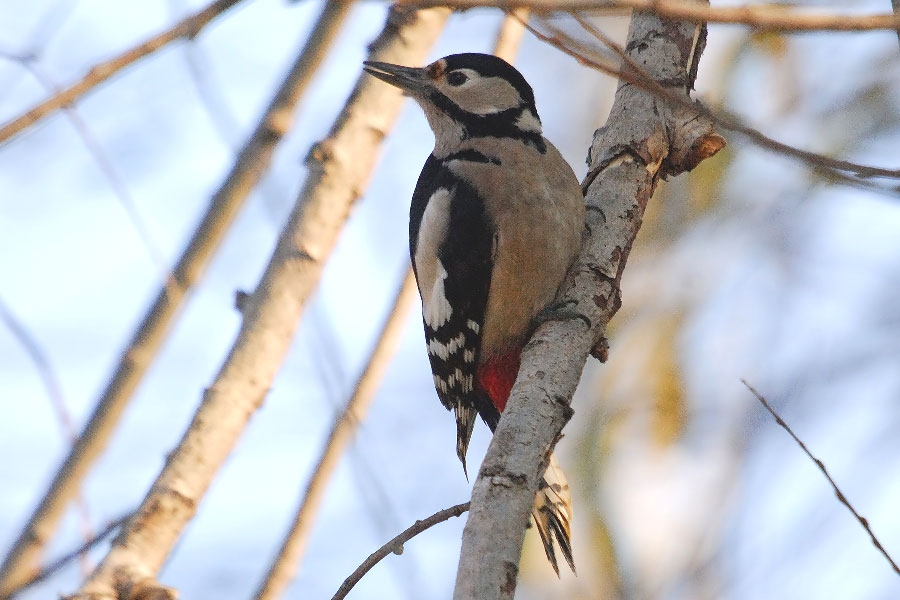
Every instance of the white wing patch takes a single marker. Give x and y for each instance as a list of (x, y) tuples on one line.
[(443, 351), (436, 309)]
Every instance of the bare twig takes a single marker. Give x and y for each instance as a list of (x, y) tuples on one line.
[(339, 168), (895, 4), (186, 28), (396, 546), (251, 163), (283, 568), (62, 561), (45, 370), (837, 169), (109, 171), (837, 492), (769, 17), (55, 394)]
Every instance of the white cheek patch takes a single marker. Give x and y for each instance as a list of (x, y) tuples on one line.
[(436, 309), (484, 95)]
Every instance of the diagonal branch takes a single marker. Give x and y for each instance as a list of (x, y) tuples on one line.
[(643, 140), (186, 28), (842, 171), (106, 166), (249, 166), (54, 567), (837, 491), (770, 17), (895, 4), (283, 568), (396, 546), (339, 168)]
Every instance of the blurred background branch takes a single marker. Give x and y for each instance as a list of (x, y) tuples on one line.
[(147, 340), (769, 17), (284, 567), (339, 166), (187, 28)]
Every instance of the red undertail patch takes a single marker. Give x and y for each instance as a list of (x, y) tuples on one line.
[(496, 377)]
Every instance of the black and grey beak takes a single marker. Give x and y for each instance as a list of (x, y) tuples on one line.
[(409, 79)]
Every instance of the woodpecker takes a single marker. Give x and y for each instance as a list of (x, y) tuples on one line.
[(495, 223)]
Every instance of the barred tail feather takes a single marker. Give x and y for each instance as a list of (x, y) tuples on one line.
[(552, 514), (465, 422)]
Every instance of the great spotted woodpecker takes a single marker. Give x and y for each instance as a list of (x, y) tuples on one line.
[(495, 223)]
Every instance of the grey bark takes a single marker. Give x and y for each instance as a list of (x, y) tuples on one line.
[(644, 139)]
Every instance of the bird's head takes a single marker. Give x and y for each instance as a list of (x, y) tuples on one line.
[(467, 95)]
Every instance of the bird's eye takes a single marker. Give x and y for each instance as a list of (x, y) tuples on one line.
[(456, 79)]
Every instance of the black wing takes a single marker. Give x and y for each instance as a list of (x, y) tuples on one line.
[(465, 253)]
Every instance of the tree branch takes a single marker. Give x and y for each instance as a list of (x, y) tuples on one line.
[(283, 568), (837, 491), (895, 4), (396, 546), (186, 28), (339, 168), (644, 139), (51, 569), (842, 171), (768, 17), (249, 166)]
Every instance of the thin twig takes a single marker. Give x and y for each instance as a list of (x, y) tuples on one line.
[(840, 495), (208, 90), (186, 28), (732, 122), (766, 17), (634, 75), (250, 164), (895, 4), (283, 568), (106, 166), (57, 400), (47, 26), (62, 561), (45, 370), (396, 546)]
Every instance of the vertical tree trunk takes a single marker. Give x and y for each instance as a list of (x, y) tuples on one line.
[(644, 139)]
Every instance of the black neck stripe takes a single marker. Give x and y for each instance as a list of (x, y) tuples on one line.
[(472, 156)]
